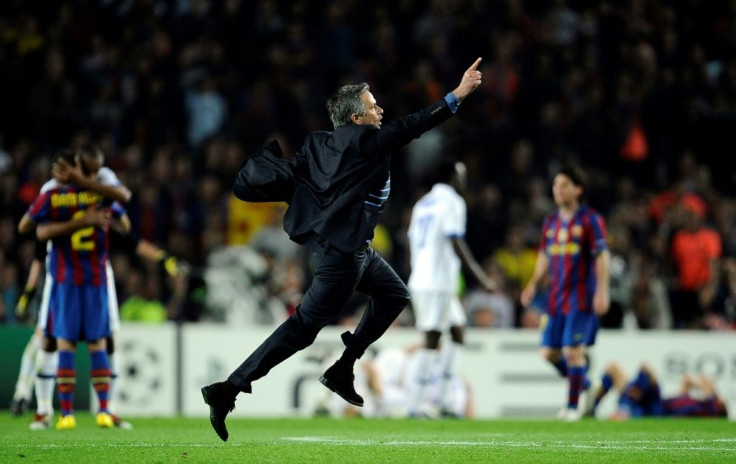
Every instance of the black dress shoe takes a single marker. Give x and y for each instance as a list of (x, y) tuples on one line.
[(339, 378), (221, 402)]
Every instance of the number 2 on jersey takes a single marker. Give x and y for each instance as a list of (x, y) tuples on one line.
[(82, 239)]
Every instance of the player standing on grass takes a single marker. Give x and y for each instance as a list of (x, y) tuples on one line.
[(438, 248), (573, 254), (74, 217), (342, 181), (44, 366)]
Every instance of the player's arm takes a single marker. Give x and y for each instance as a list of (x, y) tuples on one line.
[(602, 296), (708, 292), (540, 270), (92, 217), (466, 257), (172, 265), (26, 224), (66, 173), (121, 224), (21, 308)]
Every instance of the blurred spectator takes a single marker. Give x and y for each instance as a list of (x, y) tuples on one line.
[(516, 259), (9, 291), (696, 251), (143, 304), (490, 310), (721, 315), (643, 95), (621, 276)]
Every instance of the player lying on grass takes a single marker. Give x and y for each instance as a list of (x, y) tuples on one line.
[(641, 396)]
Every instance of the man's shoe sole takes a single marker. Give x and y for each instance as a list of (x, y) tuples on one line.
[(326, 382), (213, 420)]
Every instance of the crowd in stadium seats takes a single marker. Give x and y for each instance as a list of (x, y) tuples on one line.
[(641, 94)]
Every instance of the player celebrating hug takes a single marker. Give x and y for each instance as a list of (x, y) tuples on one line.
[(77, 223)]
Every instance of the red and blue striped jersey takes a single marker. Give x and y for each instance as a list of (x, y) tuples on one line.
[(685, 405), (78, 258), (572, 247)]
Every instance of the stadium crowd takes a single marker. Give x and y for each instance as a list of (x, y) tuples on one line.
[(640, 93)]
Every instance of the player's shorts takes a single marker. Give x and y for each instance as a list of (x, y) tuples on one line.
[(437, 311), (570, 330), (112, 301), (78, 312)]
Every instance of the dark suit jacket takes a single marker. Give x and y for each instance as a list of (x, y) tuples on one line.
[(265, 176), (341, 174)]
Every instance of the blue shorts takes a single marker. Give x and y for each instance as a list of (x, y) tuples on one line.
[(78, 312), (570, 330)]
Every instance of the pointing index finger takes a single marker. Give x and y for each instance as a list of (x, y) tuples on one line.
[(474, 66)]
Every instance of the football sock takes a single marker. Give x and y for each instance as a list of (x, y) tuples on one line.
[(561, 367), (448, 361), (101, 377), (27, 372), (427, 361), (46, 366), (66, 376), (606, 384), (576, 377)]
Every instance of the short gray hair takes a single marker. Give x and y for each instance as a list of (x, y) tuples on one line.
[(346, 102)]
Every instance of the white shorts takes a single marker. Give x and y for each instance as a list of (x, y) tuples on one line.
[(112, 301), (437, 311)]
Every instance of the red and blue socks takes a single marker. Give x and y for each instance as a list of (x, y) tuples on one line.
[(101, 377), (66, 377), (576, 379)]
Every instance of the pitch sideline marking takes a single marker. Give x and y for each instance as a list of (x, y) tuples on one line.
[(522, 444), (620, 445)]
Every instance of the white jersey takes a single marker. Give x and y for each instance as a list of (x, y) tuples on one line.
[(436, 218), (105, 176)]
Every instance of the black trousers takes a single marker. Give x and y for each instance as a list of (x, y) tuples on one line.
[(336, 275)]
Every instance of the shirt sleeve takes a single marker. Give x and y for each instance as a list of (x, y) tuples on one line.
[(40, 209), (452, 102), (543, 236), (597, 230), (107, 176), (117, 210)]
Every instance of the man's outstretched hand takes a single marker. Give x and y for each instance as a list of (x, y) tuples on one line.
[(470, 81)]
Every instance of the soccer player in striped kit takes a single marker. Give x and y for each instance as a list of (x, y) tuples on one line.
[(573, 254), (77, 222)]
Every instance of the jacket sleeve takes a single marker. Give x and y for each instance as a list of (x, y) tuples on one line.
[(265, 176), (403, 130)]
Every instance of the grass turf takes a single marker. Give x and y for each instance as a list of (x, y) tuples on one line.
[(374, 441)]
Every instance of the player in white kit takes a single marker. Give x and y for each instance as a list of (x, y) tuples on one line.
[(438, 249)]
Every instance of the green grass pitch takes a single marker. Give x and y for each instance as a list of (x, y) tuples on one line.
[(374, 441)]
